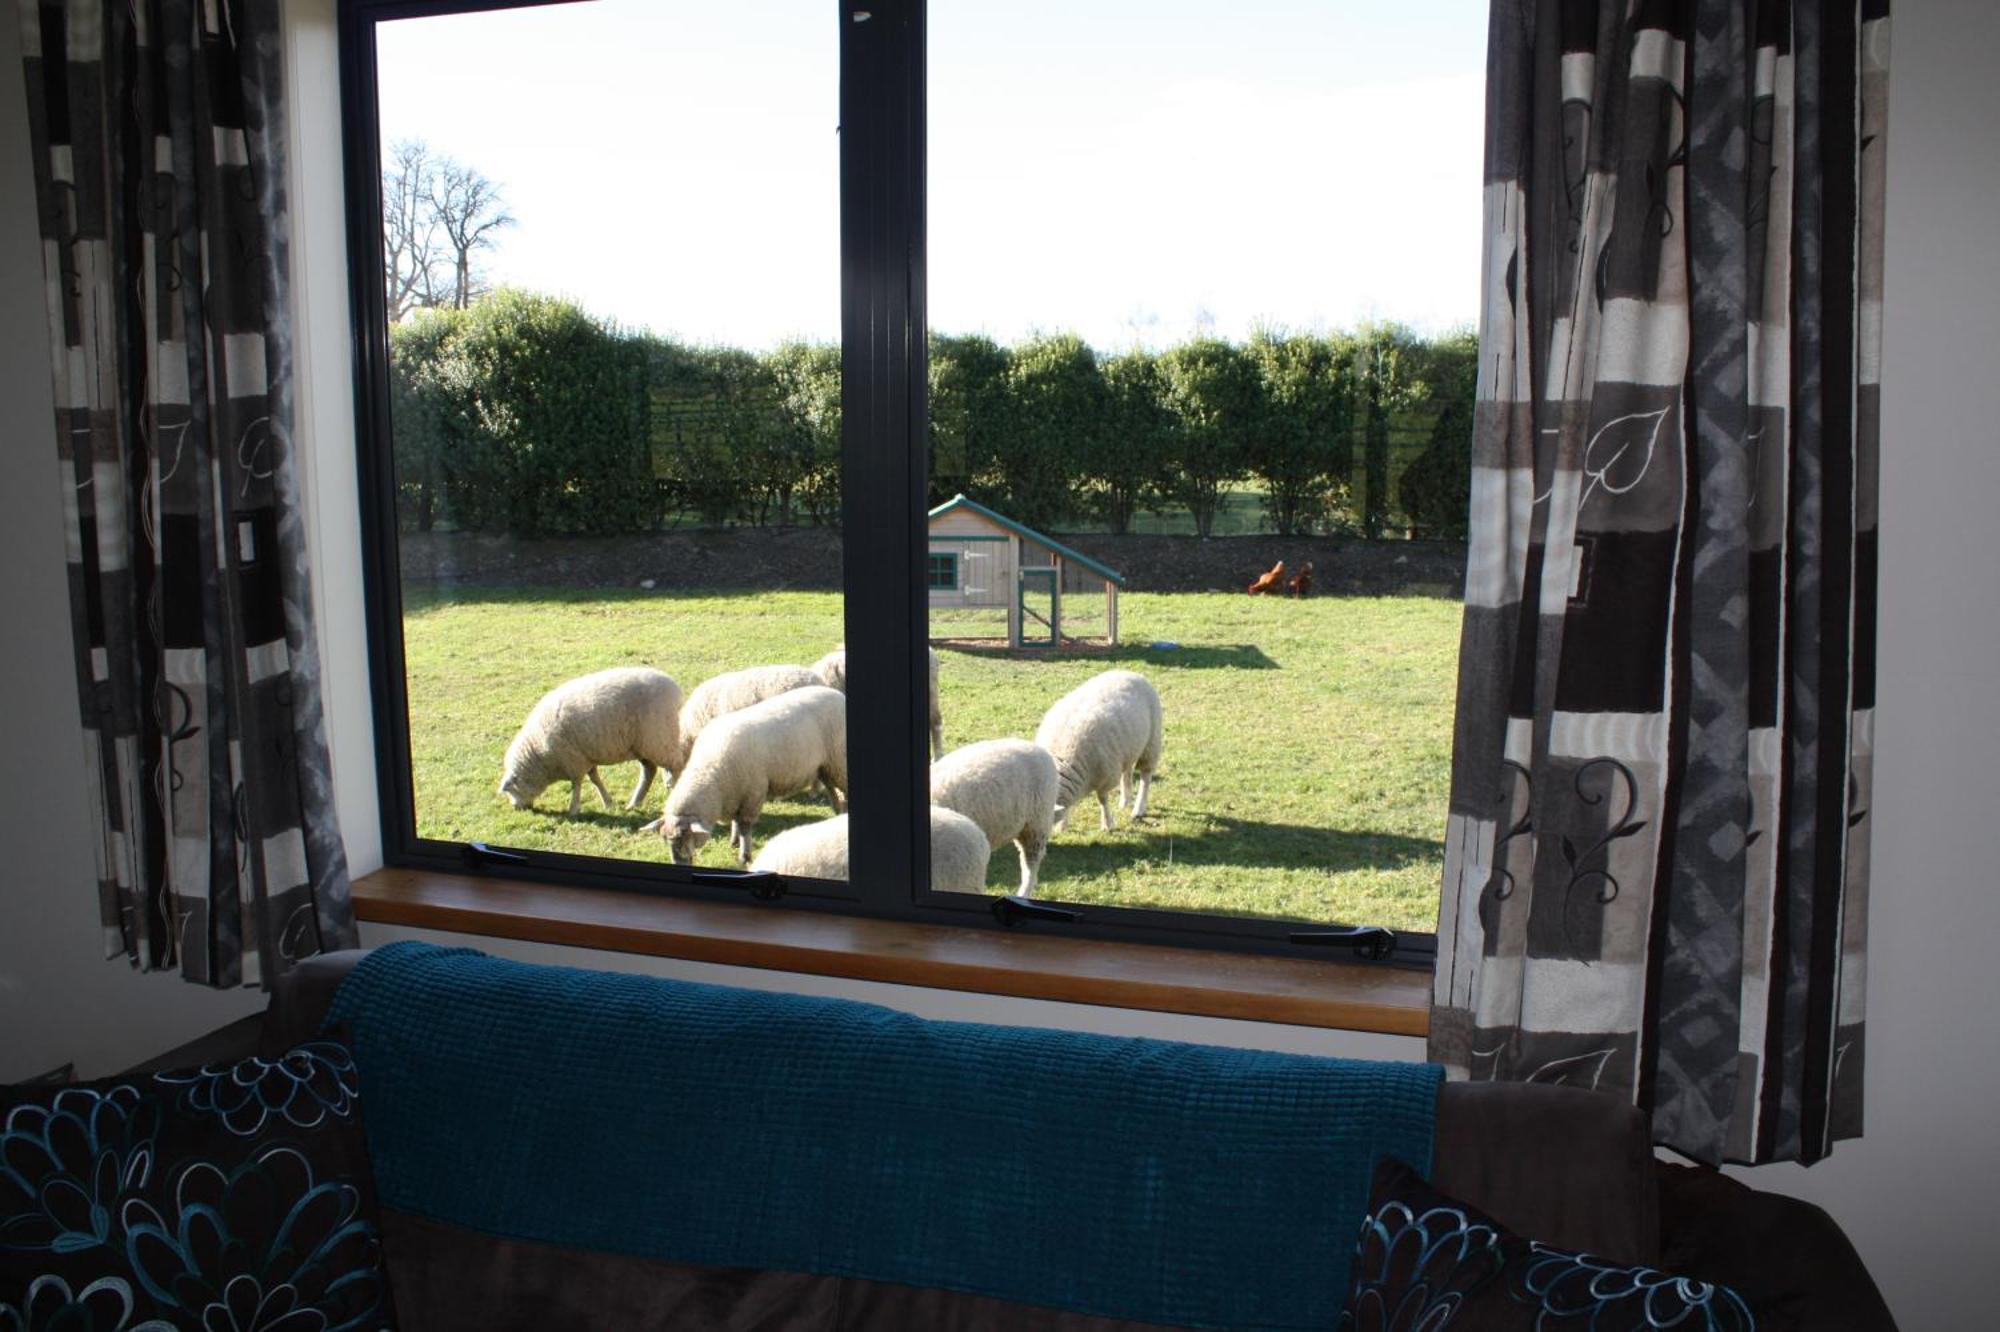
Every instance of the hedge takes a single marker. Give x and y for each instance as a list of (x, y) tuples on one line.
[(522, 414)]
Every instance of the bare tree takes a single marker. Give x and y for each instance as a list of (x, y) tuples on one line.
[(468, 209), (413, 269)]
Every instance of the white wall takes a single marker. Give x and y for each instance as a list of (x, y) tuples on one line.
[(1913, 1193)]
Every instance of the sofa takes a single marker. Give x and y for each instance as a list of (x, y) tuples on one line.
[(1569, 1167)]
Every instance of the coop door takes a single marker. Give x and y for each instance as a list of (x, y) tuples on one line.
[(1038, 608)]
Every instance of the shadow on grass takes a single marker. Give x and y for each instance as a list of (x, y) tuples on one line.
[(1250, 843), (1203, 656), (776, 818)]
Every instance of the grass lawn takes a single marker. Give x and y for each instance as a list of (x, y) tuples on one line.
[(1308, 743)]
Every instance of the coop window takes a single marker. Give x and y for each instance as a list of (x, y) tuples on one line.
[(745, 473)]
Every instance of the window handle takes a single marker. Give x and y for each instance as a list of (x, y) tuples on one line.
[(1370, 941), (1011, 911), (476, 854), (761, 884)]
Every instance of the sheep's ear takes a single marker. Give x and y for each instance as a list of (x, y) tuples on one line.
[(696, 826)]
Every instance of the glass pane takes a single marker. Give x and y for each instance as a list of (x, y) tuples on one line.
[(1202, 283), (612, 234)]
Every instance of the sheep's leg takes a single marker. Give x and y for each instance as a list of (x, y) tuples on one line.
[(646, 771), (739, 833), (833, 793), (1145, 789), (1125, 788), (1032, 850), (576, 797), (597, 781), (1104, 815), (937, 740), (1062, 820)]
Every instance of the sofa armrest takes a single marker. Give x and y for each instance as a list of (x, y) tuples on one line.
[(1569, 1167), (300, 998), (1781, 1252)]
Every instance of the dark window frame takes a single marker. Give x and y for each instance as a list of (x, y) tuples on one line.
[(885, 534), (949, 569)]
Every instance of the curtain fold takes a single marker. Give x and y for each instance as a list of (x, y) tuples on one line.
[(1657, 855), (158, 132)]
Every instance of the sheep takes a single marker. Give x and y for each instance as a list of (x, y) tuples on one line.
[(1008, 788), (959, 852), (613, 716), (832, 668), (732, 692), (775, 748), (1100, 733)]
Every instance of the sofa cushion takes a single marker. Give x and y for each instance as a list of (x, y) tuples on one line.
[(1427, 1260), (1568, 1166), (453, 1279), (222, 1195)]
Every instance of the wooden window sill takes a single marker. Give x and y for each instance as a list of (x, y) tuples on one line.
[(1032, 966)]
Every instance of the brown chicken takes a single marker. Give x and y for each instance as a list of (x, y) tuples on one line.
[(1268, 582), (1301, 582)]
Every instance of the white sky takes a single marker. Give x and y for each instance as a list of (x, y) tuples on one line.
[(1129, 170)]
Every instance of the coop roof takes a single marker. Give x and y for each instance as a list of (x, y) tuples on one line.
[(1075, 556)]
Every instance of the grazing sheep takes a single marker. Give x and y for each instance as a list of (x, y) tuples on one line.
[(614, 716), (832, 668), (775, 748), (1099, 734), (732, 692), (959, 852), (1008, 788)]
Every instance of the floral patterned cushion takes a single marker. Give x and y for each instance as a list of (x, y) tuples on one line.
[(228, 1198), (1426, 1262)]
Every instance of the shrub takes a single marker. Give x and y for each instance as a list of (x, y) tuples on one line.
[(1435, 488), (1302, 446), (1125, 464), (1217, 399)]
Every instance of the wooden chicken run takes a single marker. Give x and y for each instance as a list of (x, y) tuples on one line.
[(995, 582)]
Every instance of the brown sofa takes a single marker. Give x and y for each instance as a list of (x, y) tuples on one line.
[(1572, 1168)]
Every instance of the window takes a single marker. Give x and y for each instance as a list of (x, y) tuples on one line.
[(943, 571), (647, 384)]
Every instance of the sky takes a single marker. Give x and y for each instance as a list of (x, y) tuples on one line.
[(1133, 171)]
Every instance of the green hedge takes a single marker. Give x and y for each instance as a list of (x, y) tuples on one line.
[(522, 414)]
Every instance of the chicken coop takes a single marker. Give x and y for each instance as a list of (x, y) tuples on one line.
[(997, 583)]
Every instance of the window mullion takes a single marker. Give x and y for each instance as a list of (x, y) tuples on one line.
[(882, 441)]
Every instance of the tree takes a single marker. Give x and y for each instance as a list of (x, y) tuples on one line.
[(1054, 412), (469, 210), (1124, 463), (413, 268), (1216, 397), (1300, 446), (1435, 488), (438, 216), (1386, 386), (968, 382), (808, 382)]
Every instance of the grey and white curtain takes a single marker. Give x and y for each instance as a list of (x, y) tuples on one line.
[(1656, 873), (158, 132)]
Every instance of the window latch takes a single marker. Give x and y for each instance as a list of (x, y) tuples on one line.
[(1370, 941), (1012, 911), (476, 854), (761, 884)]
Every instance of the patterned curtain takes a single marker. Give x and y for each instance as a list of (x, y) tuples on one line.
[(158, 131), (1657, 859)]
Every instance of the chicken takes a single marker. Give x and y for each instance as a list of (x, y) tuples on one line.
[(1268, 582), (1301, 582)]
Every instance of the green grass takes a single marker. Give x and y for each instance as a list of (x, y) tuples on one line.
[(1307, 750)]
